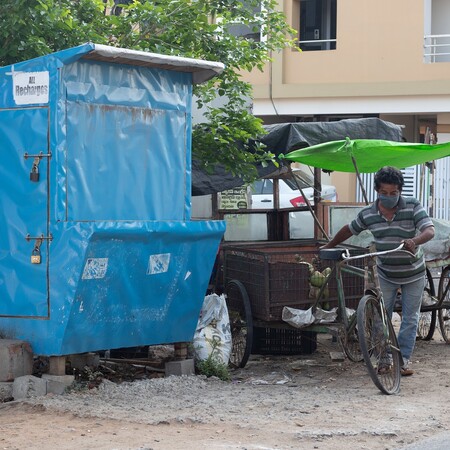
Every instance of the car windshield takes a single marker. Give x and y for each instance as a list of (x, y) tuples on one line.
[(265, 186), (291, 184)]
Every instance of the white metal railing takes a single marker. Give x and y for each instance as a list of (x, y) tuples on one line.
[(441, 189), (436, 48), (325, 43)]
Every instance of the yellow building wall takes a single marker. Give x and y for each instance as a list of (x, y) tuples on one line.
[(379, 52), (345, 185)]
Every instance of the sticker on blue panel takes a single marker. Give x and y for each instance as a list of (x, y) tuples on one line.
[(95, 268), (158, 263), (30, 87)]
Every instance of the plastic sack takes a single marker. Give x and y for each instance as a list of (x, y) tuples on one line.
[(213, 333), (300, 318)]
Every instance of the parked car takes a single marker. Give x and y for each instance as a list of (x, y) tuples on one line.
[(289, 194)]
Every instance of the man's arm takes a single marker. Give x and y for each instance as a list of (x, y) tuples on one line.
[(424, 236), (342, 235)]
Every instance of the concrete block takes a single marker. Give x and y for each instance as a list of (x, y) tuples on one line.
[(337, 356), (57, 384), (183, 367), (82, 360), (6, 390), (29, 386), (16, 359)]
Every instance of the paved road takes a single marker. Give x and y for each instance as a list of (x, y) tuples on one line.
[(440, 441)]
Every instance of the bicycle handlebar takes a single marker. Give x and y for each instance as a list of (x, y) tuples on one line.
[(346, 254)]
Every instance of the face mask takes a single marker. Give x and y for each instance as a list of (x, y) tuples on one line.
[(388, 201)]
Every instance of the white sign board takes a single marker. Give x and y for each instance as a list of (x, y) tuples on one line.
[(30, 87), (236, 198)]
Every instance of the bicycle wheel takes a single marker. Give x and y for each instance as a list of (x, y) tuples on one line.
[(349, 341), (379, 346), (444, 297), (427, 319), (241, 323)]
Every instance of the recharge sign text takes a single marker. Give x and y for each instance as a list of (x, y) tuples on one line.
[(30, 87)]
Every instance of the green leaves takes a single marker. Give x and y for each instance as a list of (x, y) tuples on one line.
[(31, 28)]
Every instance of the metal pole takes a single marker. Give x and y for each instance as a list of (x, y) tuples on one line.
[(360, 181)]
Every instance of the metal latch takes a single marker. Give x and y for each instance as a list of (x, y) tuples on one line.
[(34, 174)]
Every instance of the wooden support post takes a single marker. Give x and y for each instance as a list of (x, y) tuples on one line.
[(57, 365), (181, 350)]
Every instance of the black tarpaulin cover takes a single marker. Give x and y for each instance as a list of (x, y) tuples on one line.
[(286, 137)]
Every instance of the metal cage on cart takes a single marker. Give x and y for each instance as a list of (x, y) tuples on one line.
[(274, 278)]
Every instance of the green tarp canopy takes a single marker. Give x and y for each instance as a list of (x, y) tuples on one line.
[(367, 155)]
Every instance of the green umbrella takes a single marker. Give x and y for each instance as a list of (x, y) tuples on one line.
[(367, 155)]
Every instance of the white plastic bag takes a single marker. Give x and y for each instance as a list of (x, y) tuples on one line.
[(300, 318), (213, 333)]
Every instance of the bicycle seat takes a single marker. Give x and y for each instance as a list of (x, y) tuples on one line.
[(334, 254)]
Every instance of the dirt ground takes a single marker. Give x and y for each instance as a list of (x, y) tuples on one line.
[(275, 402)]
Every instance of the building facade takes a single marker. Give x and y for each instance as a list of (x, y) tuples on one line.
[(361, 58)]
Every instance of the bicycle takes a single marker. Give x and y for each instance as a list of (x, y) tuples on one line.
[(377, 337)]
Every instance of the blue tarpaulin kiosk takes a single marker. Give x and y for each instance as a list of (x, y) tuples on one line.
[(97, 246)]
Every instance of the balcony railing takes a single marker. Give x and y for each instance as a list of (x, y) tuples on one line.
[(436, 48)]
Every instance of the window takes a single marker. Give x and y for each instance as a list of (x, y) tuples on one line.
[(116, 8), (248, 31), (263, 186), (317, 25)]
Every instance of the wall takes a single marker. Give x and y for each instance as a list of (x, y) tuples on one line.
[(377, 67)]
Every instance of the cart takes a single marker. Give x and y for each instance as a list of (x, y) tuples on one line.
[(260, 279)]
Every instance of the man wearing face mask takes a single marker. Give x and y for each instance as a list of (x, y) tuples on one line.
[(394, 219)]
